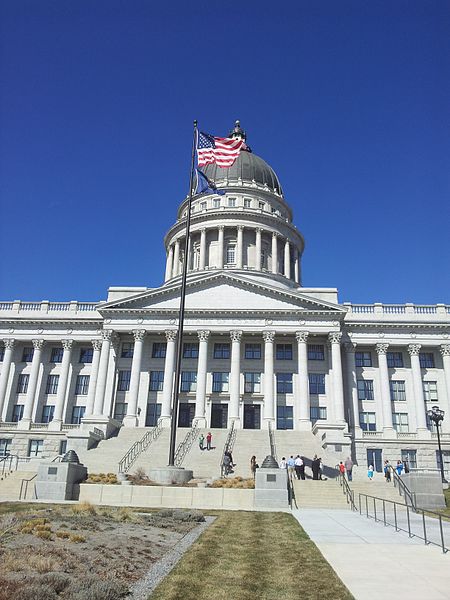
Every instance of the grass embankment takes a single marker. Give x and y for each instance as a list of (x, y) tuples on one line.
[(249, 556)]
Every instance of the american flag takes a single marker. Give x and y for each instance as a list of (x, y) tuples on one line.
[(222, 151)]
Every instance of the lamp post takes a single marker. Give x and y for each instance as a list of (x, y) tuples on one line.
[(436, 415)]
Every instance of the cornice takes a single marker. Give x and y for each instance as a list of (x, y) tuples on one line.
[(410, 325)]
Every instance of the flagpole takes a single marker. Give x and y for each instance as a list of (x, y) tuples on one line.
[(176, 382)]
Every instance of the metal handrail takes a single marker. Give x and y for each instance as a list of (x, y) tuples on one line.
[(140, 446), (372, 501), (273, 446), (410, 497), (228, 447), (26, 482), (184, 446), (9, 458), (291, 490), (346, 489)]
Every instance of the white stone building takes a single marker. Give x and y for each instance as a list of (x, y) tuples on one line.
[(258, 347)]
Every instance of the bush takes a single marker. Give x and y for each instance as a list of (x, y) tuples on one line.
[(84, 508), (92, 588), (45, 527), (44, 535), (57, 581), (78, 539), (140, 474), (63, 535)]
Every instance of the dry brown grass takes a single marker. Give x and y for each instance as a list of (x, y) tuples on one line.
[(249, 556), (40, 561), (234, 483)]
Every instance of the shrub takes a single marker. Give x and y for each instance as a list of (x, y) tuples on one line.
[(92, 588), (63, 535), (84, 508), (44, 535), (140, 474), (57, 581), (45, 527), (78, 539)]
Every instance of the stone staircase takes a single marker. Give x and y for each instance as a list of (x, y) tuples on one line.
[(10, 486), (319, 494)]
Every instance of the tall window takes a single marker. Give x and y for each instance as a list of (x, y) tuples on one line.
[(56, 355), (86, 355), (82, 385), (400, 422), (5, 447), (247, 203), (261, 205), (35, 447), (17, 412), (203, 205), (231, 202), (430, 391), (52, 384), (398, 390), (220, 382), (123, 381), (316, 352), (190, 350), (127, 350), (156, 381), (363, 359), (394, 359), (188, 381), (365, 389), (284, 383), (284, 352), (22, 383), (426, 360), (367, 421), (216, 202), (221, 350), (252, 383), (318, 413), (231, 254), (159, 350), (410, 457), (27, 354), (316, 383), (253, 351), (77, 414), (47, 414)]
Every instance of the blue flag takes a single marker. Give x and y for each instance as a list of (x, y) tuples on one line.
[(205, 185)]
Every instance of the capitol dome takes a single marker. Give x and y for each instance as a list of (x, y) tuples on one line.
[(249, 168)]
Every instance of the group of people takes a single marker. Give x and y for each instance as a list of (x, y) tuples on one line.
[(400, 467), (201, 441), (296, 466), (346, 467)]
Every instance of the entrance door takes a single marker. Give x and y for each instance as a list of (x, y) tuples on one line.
[(285, 417), (219, 416), (252, 416), (153, 414), (374, 457), (186, 414)]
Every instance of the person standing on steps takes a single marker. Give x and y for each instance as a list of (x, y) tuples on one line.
[(201, 441), (283, 463), (315, 467), (291, 466), (298, 465), (302, 468), (208, 440), (387, 471), (370, 472), (253, 466), (349, 468)]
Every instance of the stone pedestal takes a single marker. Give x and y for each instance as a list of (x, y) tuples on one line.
[(427, 488), (59, 481), (170, 475), (271, 488)]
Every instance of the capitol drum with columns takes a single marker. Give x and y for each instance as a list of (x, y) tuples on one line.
[(259, 349)]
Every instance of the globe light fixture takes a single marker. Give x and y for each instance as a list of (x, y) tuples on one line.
[(436, 415)]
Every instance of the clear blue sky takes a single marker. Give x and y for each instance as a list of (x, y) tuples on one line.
[(349, 102)]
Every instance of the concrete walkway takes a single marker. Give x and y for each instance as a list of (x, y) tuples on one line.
[(376, 562)]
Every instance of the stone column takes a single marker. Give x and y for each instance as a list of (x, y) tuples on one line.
[(269, 407), (302, 403), (176, 259), (107, 335), (258, 249), (235, 374), (62, 386), (202, 258), (445, 351), (169, 366), (131, 419), (202, 366), (32, 384), (240, 246), (287, 260), (4, 376), (97, 345), (385, 390), (169, 263), (274, 253), (296, 268), (338, 395), (419, 398), (352, 388), (220, 253)]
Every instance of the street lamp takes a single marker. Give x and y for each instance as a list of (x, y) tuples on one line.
[(436, 415)]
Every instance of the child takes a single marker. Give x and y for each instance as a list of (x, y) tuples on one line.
[(370, 472)]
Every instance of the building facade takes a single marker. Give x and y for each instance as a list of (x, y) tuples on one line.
[(259, 348)]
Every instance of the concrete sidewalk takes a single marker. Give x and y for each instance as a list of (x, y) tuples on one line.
[(376, 562)]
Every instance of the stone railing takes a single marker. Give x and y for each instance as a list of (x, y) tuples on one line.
[(18, 306), (378, 309)]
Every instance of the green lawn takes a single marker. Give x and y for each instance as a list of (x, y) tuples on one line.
[(252, 556)]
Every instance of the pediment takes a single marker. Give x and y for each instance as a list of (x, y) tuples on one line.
[(222, 292)]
